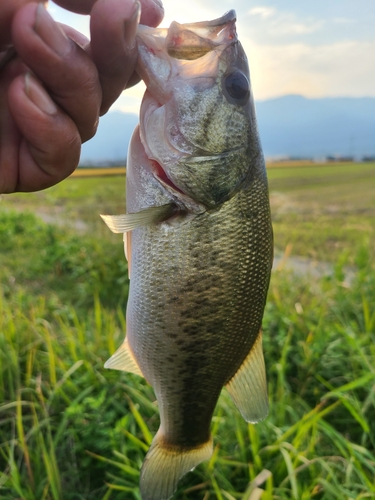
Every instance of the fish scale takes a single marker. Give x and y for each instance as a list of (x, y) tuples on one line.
[(221, 306), (200, 245)]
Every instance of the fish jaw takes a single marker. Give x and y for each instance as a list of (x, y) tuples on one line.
[(160, 48), (163, 75), (189, 105)]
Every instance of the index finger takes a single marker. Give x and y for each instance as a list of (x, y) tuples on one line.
[(113, 28)]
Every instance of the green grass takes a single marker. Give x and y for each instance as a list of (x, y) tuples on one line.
[(323, 210), (70, 430), (320, 210), (74, 199), (46, 257)]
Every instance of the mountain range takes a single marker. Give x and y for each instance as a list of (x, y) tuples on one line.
[(289, 126)]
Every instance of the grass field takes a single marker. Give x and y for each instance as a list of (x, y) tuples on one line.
[(95, 172), (323, 211), (320, 211), (70, 430)]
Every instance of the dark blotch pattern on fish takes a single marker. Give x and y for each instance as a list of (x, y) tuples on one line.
[(215, 312)]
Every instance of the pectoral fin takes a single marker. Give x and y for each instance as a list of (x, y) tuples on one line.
[(128, 222), (123, 359), (248, 387)]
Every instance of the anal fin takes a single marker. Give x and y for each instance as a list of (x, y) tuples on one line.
[(123, 359), (248, 387)]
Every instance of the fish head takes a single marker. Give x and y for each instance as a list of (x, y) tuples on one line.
[(197, 121)]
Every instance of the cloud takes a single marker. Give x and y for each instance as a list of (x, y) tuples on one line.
[(286, 25), (130, 100), (289, 52), (344, 20), (337, 69), (276, 24), (187, 12), (263, 12)]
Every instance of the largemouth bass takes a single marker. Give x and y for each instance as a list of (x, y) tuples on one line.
[(198, 240)]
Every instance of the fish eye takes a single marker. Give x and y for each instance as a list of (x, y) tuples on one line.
[(237, 86)]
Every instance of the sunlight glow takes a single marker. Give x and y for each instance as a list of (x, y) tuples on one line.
[(288, 52)]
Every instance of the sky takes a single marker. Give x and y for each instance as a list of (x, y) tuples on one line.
[(313, 48)]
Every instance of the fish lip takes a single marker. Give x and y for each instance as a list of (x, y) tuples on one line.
[(227, 17), (163, 44)]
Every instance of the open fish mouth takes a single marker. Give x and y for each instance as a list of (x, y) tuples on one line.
[(189, 41), (184, 56), (183, 50)]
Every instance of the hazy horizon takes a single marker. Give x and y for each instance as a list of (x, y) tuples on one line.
[(290, 125)]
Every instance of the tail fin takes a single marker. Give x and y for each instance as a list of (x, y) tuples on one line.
[(164, 467)]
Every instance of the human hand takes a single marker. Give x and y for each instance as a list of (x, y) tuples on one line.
[(58, 83)]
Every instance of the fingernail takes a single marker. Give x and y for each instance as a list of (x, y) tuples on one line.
[(159, 3), (38, 95), (50, 32), (131, 25)]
